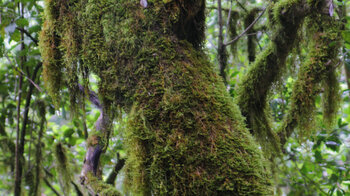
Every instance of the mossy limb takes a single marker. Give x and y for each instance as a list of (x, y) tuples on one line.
[(320, 63), (285, 19)]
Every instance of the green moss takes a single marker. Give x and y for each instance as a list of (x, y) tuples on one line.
[(63, 167), (285, 19), (184, 134), (101, 188), (331, 98), (51, 60), (232, 31)]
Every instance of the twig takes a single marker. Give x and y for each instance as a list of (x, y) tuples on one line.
[(215, 7), (228, 21), (30, 80), (248, 28), (22, 73), (114, 173), (240, 5), (51, 187), (29, 35)]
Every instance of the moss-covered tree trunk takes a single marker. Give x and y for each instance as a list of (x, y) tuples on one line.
[(184, 134)]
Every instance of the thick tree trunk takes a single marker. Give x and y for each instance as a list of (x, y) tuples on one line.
[(184, 134)]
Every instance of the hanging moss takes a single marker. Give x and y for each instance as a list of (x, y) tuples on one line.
[(184, 134), (319, 66), (63, 167), (330, 98), (51, 56), (60, 46), (232, 31), (285, 19), (70, 47), (251, 39)]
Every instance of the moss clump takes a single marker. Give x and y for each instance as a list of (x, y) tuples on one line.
[(60, 46), (322, 57), (101, 188), (51, 56), (184, 134)]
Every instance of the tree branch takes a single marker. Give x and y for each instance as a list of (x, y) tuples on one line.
[(51, 187), (248, 28), (29, 35), (114, 173)]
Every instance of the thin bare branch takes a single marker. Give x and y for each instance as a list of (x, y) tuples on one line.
[(248, 28), (29, 35)]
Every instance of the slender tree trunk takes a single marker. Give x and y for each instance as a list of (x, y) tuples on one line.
[(19, 152), (222, 53)]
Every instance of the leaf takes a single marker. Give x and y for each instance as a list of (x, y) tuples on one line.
[(34, 29), (333, 178), (16, 36), (318, 156), (68, 132), (22, 22)]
